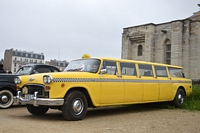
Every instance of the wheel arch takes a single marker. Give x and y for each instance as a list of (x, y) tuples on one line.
[(11, 89), (85, 92), (179, 87)]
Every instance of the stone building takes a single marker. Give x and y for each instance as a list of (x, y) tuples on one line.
[(14, 59), (176, 42)]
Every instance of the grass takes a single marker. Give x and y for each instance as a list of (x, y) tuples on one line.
[(192, 102)]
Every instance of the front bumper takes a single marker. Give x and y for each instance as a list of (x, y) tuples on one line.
[(37, 101)]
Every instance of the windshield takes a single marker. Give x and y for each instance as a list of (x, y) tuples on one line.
[(84, 65), (24, 70)]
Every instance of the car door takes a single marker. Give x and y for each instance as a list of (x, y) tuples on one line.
[(112, 84), (150, 83), (133, 87), (165, 83)]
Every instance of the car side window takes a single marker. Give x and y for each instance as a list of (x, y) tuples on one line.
[(110, 66), (161, 71), (42, 70), (145, 70), (54, 70), (176, 72), (128, 69)]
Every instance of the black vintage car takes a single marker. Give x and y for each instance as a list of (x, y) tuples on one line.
[(8, 87)]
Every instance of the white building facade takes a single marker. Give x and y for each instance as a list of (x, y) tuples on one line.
[(14, 59)]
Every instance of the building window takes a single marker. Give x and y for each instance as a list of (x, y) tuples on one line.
[(168, 52), (140, 50)]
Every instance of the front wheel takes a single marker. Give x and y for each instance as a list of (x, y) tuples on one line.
[(37, 110), (179, 98), (6, 99), (75, 106)]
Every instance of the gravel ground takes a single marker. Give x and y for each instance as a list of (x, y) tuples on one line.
[(132, 119)]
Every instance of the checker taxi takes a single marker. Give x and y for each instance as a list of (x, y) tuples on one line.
[(95, 82)]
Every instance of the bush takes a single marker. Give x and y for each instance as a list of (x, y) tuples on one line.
[(192, 102)]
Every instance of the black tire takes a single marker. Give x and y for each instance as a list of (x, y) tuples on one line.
[(75, 106), (37, 110), (6, 99), (179, 98)]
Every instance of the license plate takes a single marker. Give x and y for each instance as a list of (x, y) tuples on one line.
[(29, 97)]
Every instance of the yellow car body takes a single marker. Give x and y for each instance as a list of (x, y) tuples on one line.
[(107, 85)]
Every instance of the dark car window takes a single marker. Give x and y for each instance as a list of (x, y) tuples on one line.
[(42, 70), (54, 69)]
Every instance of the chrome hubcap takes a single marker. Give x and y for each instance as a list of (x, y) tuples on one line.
[(180, 98), (78, 106), (4, 99)]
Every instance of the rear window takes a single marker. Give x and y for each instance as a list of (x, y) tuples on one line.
[(176, 72)]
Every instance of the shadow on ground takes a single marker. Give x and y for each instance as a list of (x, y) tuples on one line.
[(56, 115)]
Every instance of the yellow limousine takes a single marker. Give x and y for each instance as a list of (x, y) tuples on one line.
[(96, 82)]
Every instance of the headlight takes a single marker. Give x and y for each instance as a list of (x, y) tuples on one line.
[(17, 80), (47, 79)]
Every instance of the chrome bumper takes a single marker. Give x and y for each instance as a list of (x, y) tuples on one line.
[(37, 101)]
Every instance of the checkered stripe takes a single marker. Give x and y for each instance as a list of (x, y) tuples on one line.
[(76, 80), (111, 80), (86, 80)]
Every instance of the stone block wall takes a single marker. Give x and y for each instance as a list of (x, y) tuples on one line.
[(184, 36)]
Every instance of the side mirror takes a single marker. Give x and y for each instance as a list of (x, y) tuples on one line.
[(103, 71)]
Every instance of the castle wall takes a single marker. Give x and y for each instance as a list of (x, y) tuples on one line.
[(184, 36), (194, 50)]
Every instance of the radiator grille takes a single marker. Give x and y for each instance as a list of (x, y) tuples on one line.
[(39, 88)]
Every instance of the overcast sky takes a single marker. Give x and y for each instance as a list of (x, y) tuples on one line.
[(67, 29)]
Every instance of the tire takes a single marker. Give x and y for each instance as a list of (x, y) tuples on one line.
[(6, 99), (75, 106), (37, 110), (179, 98)]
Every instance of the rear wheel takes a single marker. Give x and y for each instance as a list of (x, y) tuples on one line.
[(179, 98), (75, 106), (6, 99), (37, 110)]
